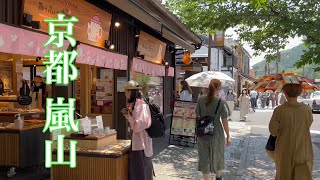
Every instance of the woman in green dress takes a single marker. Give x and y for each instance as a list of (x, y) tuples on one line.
[(211, 148)]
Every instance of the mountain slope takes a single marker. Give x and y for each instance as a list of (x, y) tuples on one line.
[(288, 59)]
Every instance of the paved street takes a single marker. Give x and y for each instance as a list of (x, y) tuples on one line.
[(245, 159)]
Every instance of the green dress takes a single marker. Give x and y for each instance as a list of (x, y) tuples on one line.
[(211, 148)]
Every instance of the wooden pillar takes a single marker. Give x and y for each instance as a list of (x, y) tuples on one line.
[(85, 86)]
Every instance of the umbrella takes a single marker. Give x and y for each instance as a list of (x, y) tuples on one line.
[(203, 79), (152, 83), (275, 82)]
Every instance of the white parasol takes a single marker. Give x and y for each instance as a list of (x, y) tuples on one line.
[(203, 79)]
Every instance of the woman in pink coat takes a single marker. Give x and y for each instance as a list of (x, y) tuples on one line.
[(139, 117)]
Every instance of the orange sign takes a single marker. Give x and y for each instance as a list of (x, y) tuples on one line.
[(218, 39), (93, 26), (152, 48)]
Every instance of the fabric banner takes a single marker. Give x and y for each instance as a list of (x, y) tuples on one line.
[(123, 62), (100, 60), (142, 66), (80, 59), (171, 71), (98, 57), (20, 41)]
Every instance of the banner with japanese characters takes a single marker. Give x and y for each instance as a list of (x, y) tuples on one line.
[(184, 118), (61, 70)]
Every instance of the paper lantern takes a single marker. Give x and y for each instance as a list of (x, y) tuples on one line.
[(186, 58)]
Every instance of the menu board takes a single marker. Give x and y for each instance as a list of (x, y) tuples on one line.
[(104, 89), (184, 118)]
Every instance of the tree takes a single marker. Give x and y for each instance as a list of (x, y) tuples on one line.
[(265, 24)]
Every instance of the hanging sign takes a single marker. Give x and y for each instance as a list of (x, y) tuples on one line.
[(94, 23), (152, 48)]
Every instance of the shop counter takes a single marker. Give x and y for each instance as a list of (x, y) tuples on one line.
[(8, 116), (106, 163), (20, 148)]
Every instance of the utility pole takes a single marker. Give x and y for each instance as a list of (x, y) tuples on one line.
[(278, 59), (266, 69), (209, 52), (278, 55)]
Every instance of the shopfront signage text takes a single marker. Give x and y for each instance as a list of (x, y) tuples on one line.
[(93, 26), (219, 39), (152, 48), (60, 69)]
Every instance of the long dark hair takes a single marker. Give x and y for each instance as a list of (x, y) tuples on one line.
[(135, 94), (214, 85), (185, 86), (247, 93), (231, 92)]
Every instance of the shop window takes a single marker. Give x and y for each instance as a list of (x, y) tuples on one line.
[(27, 74), (102, 91)]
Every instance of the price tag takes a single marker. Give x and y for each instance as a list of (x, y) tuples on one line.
[(86, 124), (99, 122)]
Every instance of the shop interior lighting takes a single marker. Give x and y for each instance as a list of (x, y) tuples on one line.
[(112, 46), (166, 63), (136, 33), (117, 24)]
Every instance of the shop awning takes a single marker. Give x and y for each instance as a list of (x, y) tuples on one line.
[(25, 42), (137, 12), (145, 67), (177, 40), (98, 57), (246, 76)]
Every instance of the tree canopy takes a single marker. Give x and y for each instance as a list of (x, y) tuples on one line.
[(265, 24)]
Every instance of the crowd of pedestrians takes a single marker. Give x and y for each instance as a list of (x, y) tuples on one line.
[(289, 128)]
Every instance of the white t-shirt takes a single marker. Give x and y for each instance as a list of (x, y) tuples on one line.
[(185, 96)]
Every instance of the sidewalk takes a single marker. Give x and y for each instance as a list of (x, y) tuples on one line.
[(245, 159)]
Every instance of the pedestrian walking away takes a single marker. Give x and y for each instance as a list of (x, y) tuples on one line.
[(139, 116), (244, 102), (290, 123), (186, 92), (268, 96), (211, 148), (264, 98), (253, 99), (273, 99), (230, 98)]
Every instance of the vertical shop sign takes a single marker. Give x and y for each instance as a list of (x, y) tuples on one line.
[(60, 69)]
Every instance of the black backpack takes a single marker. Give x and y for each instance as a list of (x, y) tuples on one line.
[(157, 128)]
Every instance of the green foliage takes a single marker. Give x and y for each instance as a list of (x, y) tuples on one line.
[(288, 60), (142, 79), (265, 24)]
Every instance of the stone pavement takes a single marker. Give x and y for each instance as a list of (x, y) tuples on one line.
[(245, 159)]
